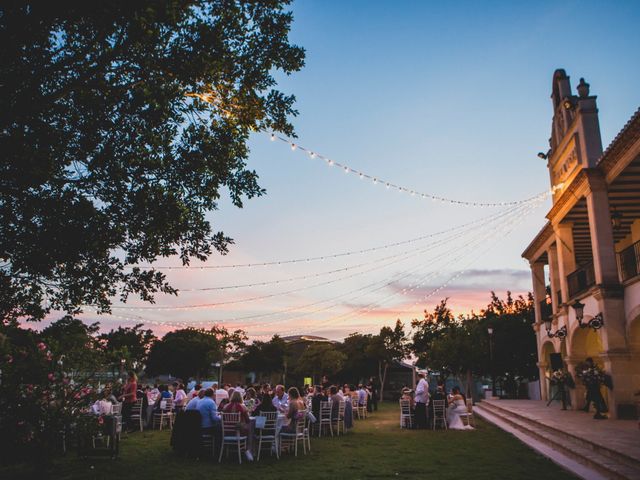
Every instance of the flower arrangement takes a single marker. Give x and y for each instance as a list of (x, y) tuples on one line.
[(590, 374), (561, 377)]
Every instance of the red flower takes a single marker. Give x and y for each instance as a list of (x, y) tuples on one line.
[(8, 358), (100, 420), (42, 346), (50, 377)]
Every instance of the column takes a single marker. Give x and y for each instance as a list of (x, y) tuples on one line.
[(537, 278), (566, 256), (552, 253), (602, 246)]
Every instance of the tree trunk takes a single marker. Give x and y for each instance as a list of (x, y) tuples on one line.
[(382, 376), (469, 393)]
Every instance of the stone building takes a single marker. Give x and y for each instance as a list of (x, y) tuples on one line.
[(588, 253)]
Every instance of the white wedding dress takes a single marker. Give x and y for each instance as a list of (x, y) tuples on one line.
[(454, 422)]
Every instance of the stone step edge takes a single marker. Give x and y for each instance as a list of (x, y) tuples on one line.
[(603, 450), (605, 469), (562, 460)]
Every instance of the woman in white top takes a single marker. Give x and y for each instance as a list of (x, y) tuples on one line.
[(457, 406)]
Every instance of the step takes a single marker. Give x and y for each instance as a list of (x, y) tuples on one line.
[(612, 454), (573, 456)]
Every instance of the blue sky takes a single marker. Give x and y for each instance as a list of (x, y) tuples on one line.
[(449, 98)]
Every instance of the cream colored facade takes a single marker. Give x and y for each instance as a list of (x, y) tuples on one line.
[(590, 248)]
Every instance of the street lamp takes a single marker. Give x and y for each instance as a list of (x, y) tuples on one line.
[(596, 322), (493, 373), (560, 333)]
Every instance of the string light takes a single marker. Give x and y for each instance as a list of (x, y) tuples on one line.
[(423, 195), (333, 255), (371, 306), (400, 277)]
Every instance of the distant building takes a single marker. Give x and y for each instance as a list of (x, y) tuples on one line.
[(589, 251)]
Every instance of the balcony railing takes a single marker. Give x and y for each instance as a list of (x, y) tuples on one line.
[(629, 260), (580, 280)]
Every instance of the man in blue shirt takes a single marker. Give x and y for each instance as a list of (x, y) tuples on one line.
[(208, 412)]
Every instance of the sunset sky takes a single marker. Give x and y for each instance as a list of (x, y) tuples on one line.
[(445, 98)]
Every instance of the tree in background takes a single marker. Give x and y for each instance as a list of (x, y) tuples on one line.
[(265, 358), (358, 366), (184, 353), (111, 155), (230, 345), (320, 359), (389, 346), (74, 343), (127, 347)]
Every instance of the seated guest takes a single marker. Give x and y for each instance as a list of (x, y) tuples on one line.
[(240, 389), (295, 406), (250, 399), (281, 399), (318, 397), (266, 404), (102, 405), (194, 393), (193, 403), (407, 395), (235, 405), (208, 412), (221, 394), (335, 400), (362, 395), (180, 397)]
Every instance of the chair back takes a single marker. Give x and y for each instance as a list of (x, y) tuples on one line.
[(341, 409), (166, 404), (300, 420), (325, 410), (137, 407), (116, 409), (271, 420), (469, 405), (230, 423), (439, 407), (405, 407)]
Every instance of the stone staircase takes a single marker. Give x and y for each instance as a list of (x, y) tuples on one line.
[(582, 457)]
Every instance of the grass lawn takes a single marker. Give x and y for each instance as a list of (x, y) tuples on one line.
[(376, 448)]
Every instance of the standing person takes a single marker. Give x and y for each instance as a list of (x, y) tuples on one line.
[(374, 393), (129, 398), (325, 382), (592, 383), (421, 398)]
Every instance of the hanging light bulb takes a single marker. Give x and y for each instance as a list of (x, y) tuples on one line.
[(346, 169), (293, 146), (273, 137)]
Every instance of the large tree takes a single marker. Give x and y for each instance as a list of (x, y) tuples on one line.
[(108, 158), (389, 346)]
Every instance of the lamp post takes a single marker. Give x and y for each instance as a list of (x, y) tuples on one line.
[(493, 373)]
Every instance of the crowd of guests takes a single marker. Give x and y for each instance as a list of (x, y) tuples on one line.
[(248, 401), (422, 405)]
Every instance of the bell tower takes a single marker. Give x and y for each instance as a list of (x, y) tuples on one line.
[(575, 141)]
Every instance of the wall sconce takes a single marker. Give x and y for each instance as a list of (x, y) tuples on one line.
[(561, 333), (596, 322)]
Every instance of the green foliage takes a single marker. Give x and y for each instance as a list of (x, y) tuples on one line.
[(319, 359), (460, 346), (40, 395), (265, 358), (184, 354), (107, 160), (358, 364), (131, 344)]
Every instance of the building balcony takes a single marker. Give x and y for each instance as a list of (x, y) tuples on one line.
[(581, 280), (629, 262)]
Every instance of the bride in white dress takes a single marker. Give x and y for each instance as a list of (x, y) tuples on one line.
[(456, 407)]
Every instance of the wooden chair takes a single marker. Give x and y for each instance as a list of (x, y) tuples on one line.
[(439, 413), (406, 417), (340, 419), (362, 409), (325, 418), (136, 413), (295, 436), (307, 431), (165, 414), (469, 415), (231, 435), (267, 435), (116, 409)]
